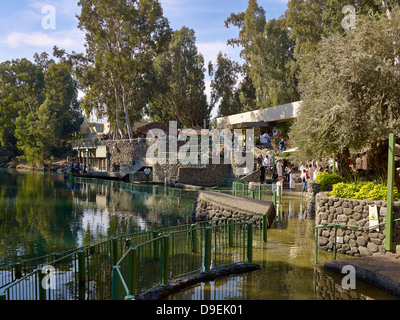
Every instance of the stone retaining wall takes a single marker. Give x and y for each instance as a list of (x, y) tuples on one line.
[(205, 176), (356, 241), (212, 205)]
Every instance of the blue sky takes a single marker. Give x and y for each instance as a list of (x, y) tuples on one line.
[(22, 32)]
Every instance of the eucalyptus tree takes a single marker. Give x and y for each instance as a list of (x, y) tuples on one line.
[(122, 39), (179, 77), (224, 85), (268, 55), (350, 96)]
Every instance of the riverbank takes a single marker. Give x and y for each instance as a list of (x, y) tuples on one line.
[(49, 166)]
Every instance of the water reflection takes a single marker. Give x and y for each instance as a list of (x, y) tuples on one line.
[(43, 213), (287, 267)]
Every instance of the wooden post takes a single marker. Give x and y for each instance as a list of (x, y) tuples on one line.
[(389, 245)]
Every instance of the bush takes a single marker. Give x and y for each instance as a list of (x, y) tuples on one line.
[(326, 179), (364, 190)]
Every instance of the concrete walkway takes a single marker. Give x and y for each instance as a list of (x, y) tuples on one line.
[(381, 271)]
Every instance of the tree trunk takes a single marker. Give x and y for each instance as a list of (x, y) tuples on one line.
[(343, 163)]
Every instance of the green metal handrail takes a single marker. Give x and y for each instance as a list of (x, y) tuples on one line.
[(341, 226), (173, 257)]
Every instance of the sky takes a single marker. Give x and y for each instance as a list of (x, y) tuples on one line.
[(29, 26)]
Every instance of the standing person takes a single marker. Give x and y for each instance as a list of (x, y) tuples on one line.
[(358, 163), (282, 145), (364, 162), (311, 171), (262, 174), (315, 172), (292, 180), (266, 161), (304, 178), (279, 168), (260, 160), (147, 172)]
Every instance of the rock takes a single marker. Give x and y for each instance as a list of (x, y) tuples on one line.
[(361, 241), (364, 251)]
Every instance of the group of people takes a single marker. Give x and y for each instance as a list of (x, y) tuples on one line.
[(78, 168), (361, 163)]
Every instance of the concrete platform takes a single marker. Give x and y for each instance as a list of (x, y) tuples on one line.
[(381, 271)]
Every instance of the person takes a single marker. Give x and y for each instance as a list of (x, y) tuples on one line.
[(287, 173), (73, 167), (279, 168), (279, 186), (260, 160), (292, 180), (359, 163), (147, 172), (311, 171), (262, 174), (304, 178), (282, 145), (364, 162), (315, 173)]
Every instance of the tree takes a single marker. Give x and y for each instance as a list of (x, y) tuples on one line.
[(21, 92), (122, 39), (224, 85), (350, 97), (40, 110), (268, 55), (179, 73)]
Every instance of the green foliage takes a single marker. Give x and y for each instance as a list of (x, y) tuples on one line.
[(325, 179), (179, 74), (363, 190), (349, 90), (39, 111), (267, 54)]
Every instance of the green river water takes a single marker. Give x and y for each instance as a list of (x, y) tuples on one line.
[(44, 213)]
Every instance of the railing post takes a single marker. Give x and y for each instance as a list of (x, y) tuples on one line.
[(264, 227), (18, 271), (114, 250), (279, 189), (114, 283), (194, 239), (42, 289), (165, 264), (3, 297), (81, 266), (230, 232), (249, 242), (133, 270), (207, 249), (388, 244)]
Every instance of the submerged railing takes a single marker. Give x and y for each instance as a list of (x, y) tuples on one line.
[(131, 265), (199, 248)]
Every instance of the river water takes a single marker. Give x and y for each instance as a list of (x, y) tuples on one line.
[(44, 213)]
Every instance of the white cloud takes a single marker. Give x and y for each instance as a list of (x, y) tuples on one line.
[(210, 51), (68, 39)]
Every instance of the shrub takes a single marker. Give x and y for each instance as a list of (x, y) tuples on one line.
[(326, 179), (364, 190)]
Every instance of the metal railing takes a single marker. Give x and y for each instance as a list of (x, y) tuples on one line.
[(198, 248), (102, 271), (337, 226)]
